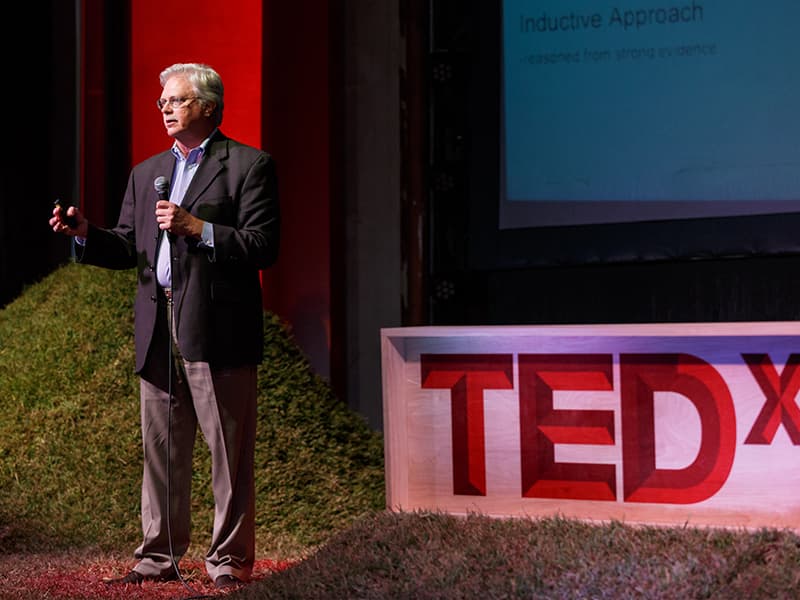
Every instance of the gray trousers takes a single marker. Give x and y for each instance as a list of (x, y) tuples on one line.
[(223, 403)]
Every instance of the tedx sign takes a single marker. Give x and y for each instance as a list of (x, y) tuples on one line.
[(651, 423)]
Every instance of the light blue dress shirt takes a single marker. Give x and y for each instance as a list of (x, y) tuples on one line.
[(182, 175)]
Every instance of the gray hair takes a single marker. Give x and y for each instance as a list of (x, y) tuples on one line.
[(206, 82)]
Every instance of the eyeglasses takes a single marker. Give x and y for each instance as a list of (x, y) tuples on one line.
[(174, 103)]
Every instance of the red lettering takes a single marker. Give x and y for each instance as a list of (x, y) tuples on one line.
[(780, 392), (642, 375), (542, 426), (467, 376)]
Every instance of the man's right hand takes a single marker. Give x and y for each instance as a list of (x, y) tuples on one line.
[(59, 225)]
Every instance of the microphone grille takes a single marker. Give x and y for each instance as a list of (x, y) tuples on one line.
[(161, 184)]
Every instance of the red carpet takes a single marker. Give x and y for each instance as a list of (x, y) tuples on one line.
[(62, 576)]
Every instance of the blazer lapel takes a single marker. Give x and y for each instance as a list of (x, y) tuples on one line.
[(211, 164)]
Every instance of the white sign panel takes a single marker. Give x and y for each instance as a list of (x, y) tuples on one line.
[(665, 423)]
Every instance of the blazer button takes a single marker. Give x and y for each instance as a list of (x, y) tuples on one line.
[(153, 299)]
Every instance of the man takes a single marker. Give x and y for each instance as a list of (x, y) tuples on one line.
[(198, 319)]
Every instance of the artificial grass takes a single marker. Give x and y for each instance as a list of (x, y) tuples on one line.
[(427, 555), (70, 447)]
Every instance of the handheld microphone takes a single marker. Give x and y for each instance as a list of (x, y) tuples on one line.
[(161, 184)]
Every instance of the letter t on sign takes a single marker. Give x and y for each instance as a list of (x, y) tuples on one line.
[(467, 376)]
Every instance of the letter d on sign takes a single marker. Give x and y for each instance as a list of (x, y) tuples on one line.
[(643, 374)]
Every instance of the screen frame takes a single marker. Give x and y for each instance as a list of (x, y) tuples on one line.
[(492, 248)]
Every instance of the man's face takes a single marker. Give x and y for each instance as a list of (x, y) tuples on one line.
[(188, 122)]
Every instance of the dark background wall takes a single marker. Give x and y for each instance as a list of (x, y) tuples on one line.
[(399, 142), (41, 154)]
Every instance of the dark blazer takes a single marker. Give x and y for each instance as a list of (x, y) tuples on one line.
[(217, 293)]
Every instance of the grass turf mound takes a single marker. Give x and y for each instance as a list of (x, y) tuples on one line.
[(70, 447)]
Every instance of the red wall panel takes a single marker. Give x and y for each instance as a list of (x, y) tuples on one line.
[(227, 37), (297, 129)]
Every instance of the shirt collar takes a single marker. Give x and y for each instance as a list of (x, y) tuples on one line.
[(195, 154)]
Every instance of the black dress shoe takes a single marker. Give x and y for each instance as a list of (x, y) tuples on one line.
[(133, 577), (227, 581), (136, 578)]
